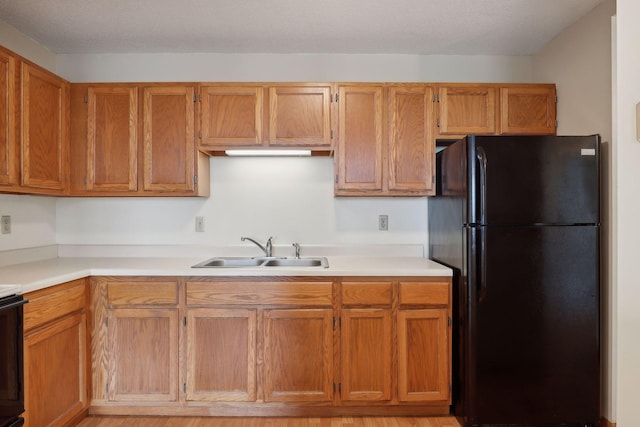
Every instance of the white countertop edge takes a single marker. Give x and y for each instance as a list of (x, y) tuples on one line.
[(8, 290), (42, 274)]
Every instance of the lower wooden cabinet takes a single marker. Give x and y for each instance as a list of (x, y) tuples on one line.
[(143, 354), (366, 354), (55, 356), (271, 346), (221, 355), (298, 355)]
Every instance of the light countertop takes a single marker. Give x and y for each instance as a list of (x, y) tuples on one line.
[(6, 290), (31, 276)]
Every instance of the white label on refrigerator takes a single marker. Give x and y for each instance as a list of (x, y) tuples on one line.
[(588, 152)]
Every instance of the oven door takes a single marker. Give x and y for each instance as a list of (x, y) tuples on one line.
[(11, 360)]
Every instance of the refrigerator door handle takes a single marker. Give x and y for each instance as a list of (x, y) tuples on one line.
[(481, 155), (482, 291)]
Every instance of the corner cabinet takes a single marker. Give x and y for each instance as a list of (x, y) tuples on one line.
[(44, 108), (56, 367), (385, 145), (135, 140), (9, 158), (135, 340)]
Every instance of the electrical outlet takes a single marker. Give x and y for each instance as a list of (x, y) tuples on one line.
[(200, 224), (5, 222), (383, 222)]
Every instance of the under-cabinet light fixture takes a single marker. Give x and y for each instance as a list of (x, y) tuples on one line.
[(267, 153)]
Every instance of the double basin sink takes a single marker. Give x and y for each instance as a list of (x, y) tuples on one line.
[(247, 262)]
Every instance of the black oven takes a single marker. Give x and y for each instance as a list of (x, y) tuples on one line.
[(11, 361)]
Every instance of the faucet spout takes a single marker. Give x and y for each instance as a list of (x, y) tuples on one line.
[(267, 249)]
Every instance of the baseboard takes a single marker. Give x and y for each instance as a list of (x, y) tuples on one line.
[(606, 423)]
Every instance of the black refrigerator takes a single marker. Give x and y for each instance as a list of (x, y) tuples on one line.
[(517, 219)]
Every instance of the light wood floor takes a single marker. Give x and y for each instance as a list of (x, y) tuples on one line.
[(269, 422)]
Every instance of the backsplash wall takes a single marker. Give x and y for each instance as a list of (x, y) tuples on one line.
[(288, 198)]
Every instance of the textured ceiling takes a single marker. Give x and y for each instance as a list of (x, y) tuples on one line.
[(483, 27)]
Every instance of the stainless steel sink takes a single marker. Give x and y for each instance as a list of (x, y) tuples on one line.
[(297, 262), (245, 262)]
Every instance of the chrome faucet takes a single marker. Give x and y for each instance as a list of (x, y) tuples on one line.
[(268, 248), (297, 246)]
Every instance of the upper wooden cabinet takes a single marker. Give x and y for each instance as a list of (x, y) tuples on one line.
[(411, 143), (495, 109), (8, 153), (466, 109), (269, 115), (385, 145), (112, 139), (528, 109), (359, 152), (300, 116), (136, 140), (44, 111), (231, 116)]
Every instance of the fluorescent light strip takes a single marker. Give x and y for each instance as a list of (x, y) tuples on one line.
[(268, 153)]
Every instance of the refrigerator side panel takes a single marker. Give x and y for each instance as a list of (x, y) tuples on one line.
[(536, 326)]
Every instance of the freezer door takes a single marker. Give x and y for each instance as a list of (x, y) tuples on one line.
[(519, 180), (533, 326)]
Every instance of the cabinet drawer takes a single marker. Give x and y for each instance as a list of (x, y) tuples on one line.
[(366, 293), (142, 293), (424, 293), (51, 303), (263, 293)]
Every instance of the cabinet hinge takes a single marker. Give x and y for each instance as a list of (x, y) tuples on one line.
[(336, 179), (195, 179), (86, 99), (448, 321), (336, 97), (433, 98), (556, 123), (106, 387), (331, 133), (438, 97), (184, 387), (195, 97), (556, 99), (438, 122), (184, 320), (106, 322), (334, 327)]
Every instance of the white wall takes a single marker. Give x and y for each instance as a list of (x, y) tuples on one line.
[(288, 67), (627, 160), (33, 221), (579, 62), (16, 41), (288, 198)]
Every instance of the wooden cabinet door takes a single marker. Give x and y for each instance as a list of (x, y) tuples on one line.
[(300, 116), (112, 143), (359, 156), (221, 355), (423, 355), (55, 372), (231, 116), (466, 109), (411, 144), (8, 153), (143, 355), (298, 355), (44, 136), (528, 110), (168, 139), (366, 354)]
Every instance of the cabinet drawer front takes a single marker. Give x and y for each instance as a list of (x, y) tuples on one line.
[(52, 303), (366, 293), (424, 293), (142, 293), (264, 293)]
